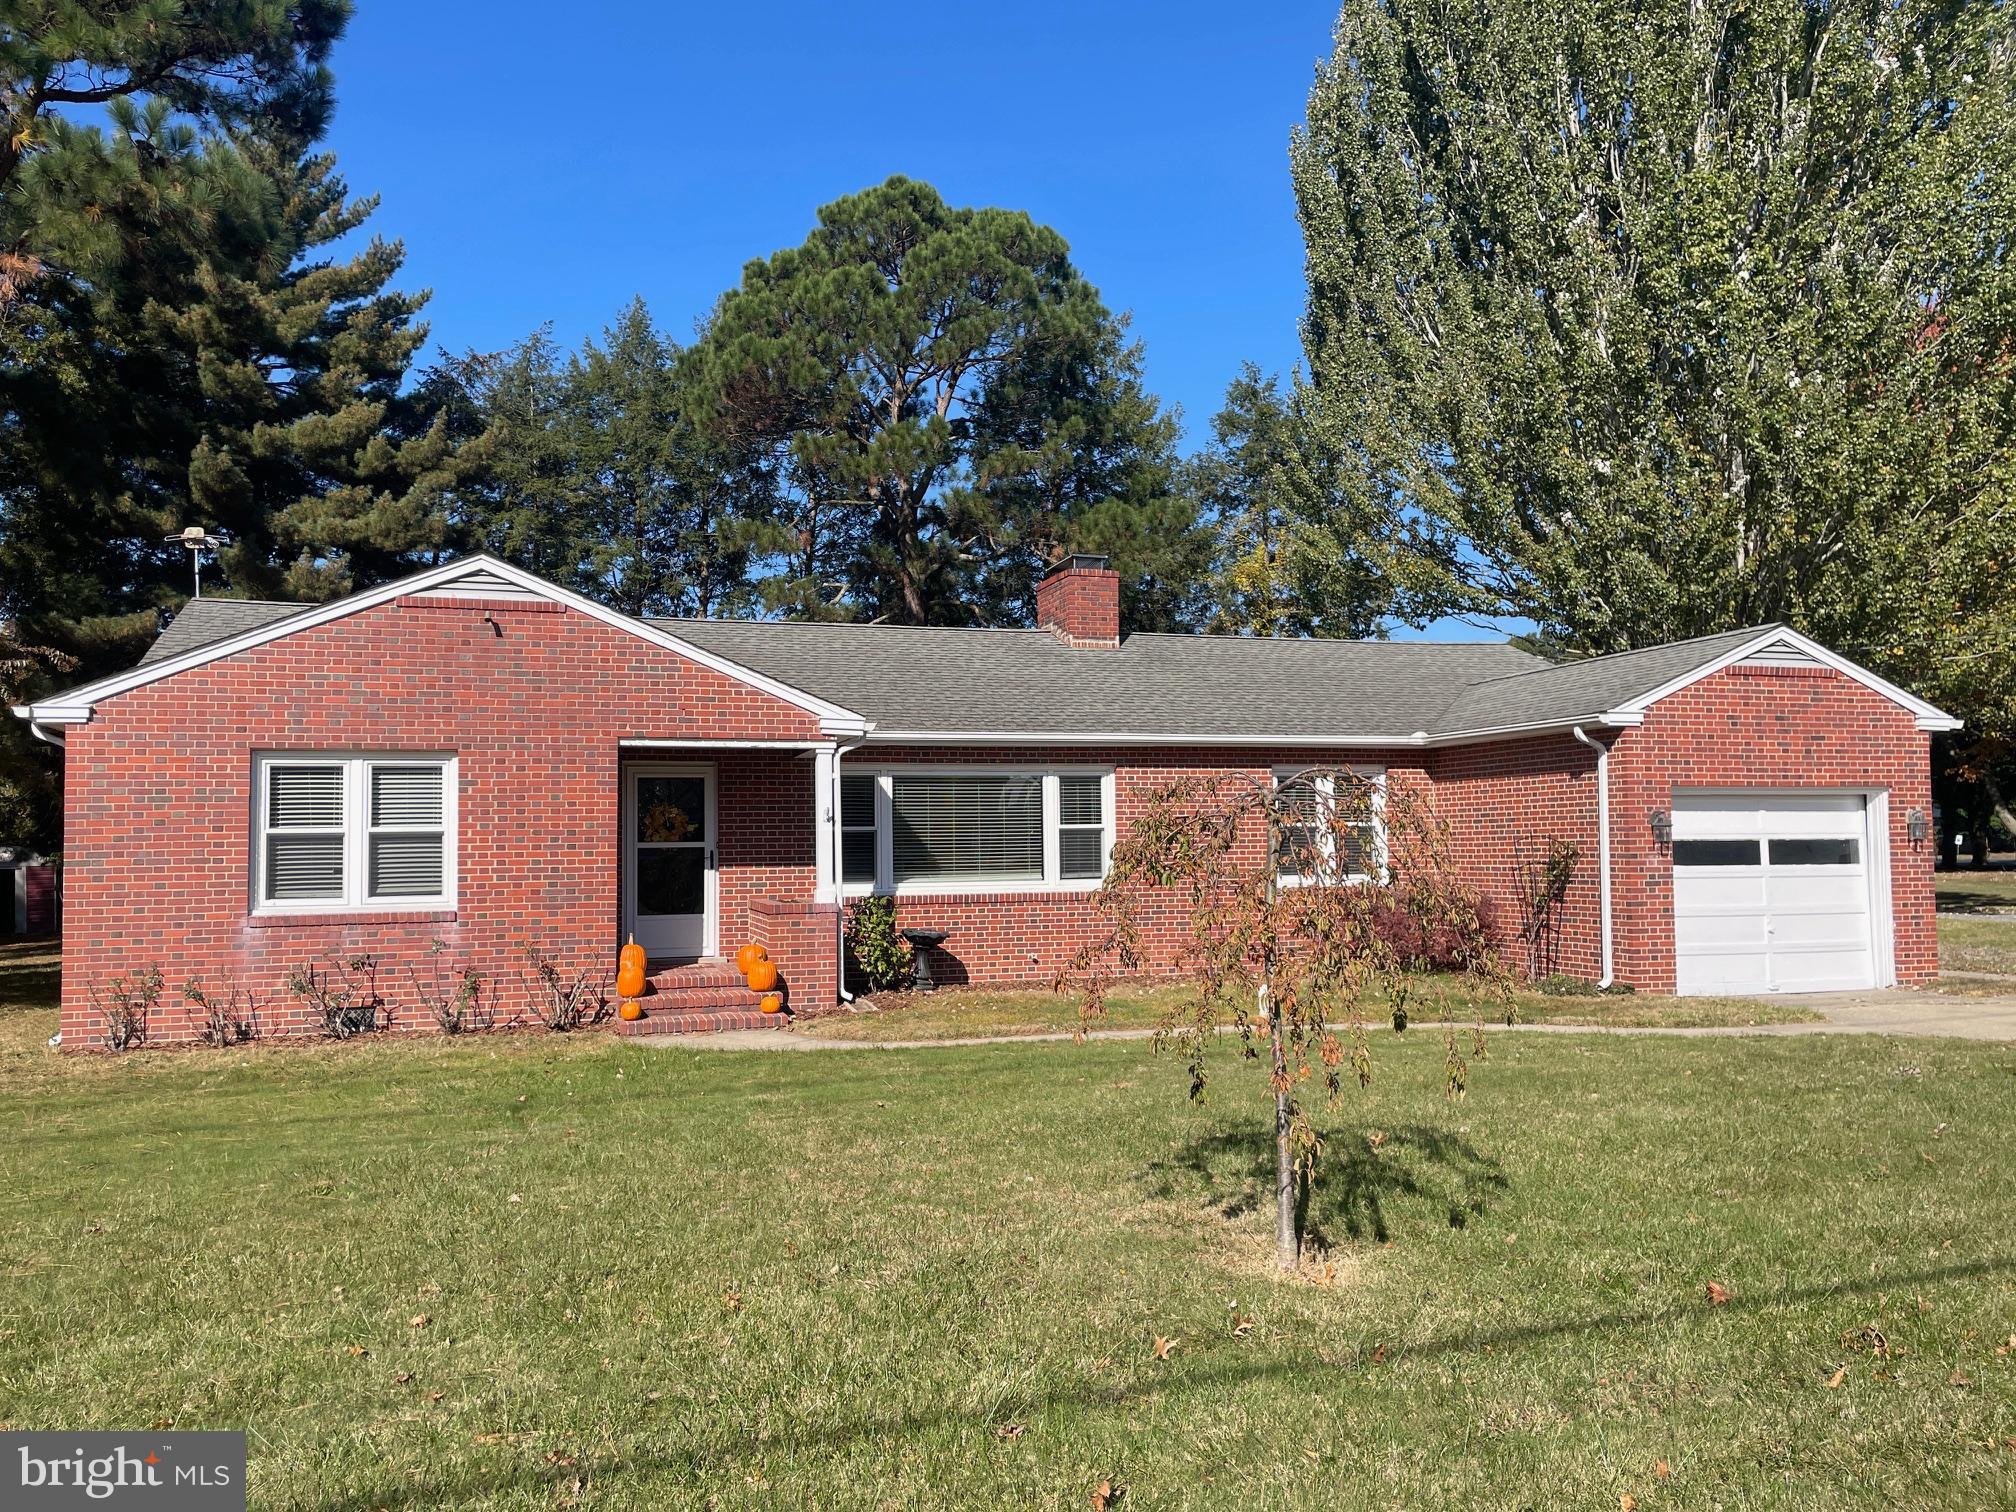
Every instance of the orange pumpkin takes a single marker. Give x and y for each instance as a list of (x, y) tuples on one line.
[(631, 1011), (772, 1003), (763, 975), (630, 970), (748, 956)]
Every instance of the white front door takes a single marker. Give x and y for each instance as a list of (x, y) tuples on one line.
[(669, 880), (1771, 893)]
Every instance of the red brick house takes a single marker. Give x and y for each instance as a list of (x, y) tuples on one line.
[(476, 757)]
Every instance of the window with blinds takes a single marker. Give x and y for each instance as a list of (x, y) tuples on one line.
[(967, 826), (354, 832), (1081, 826), (923, 830), (858, 828), (1327, 836)]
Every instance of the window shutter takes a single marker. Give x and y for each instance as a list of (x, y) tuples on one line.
[(978, 827)]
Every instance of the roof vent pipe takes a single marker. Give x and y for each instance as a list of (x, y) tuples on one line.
[(1602, 846)]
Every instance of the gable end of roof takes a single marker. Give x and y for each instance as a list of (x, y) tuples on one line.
[(487, 574)]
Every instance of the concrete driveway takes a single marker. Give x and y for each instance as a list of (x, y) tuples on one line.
[(1903, 1011)]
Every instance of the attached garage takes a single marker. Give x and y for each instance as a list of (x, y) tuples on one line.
[(1779, 892)]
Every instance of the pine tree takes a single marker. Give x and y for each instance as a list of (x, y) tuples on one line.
[(1289, 560), (920, 376), (232, 62), (589, 472)]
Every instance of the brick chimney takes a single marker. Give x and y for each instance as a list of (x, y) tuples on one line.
[(1078, 601)]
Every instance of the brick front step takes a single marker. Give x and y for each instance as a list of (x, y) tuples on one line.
[(705, 1021), (665, 977), (699, 997)]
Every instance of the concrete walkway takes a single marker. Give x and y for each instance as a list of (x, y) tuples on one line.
[(1897, 1012)]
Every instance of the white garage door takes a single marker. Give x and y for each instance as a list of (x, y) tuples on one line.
[(1771, 893)]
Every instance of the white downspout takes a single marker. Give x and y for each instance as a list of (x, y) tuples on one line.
[(835, 849), (43, 732), (1602, 845)]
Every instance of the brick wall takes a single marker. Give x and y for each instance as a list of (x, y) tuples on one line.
[(535, 702), (1768, 728), (1029, 936), (1503, 800)]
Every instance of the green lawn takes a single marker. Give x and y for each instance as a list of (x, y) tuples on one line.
[(964, 1012), (535, 1272), (1976, 891)]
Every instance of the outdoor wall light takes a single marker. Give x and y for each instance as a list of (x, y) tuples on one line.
[(1662, 827), (1915, 826)]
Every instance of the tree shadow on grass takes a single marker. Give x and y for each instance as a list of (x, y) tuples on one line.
[(31, 974), (1363, 1183)]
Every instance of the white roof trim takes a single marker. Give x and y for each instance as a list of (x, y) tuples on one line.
[(1419, 739), (77, 705), (1928, 717)]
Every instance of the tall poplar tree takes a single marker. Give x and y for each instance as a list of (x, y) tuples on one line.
[(1651, 320)]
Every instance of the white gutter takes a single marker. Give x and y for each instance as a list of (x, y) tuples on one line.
[(1419, 738), (840, 916), (1602, 844), (42, 732)]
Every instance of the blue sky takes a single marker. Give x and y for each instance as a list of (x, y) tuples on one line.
[(546, 163)]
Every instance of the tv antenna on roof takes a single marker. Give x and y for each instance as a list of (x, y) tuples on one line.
[(197, 540)]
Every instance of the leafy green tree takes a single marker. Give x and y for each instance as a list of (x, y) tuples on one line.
[(945, 400), (1648, 321)]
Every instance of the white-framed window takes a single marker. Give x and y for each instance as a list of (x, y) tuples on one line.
[(908, 828), (343, 831), (1333, 838), (857, 828)]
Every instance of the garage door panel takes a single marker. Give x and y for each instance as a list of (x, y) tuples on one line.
[(1794, 931), (1788, 814), (1796, 921), (1842, 892), (1703, 891), (1696, 931), (1819, 970), (1737, 971)]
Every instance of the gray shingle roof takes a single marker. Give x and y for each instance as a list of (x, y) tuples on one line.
[(201, 621), (1565, 691), (1025, 682)]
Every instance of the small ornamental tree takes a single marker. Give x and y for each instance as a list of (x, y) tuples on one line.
[(1303, 898)]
